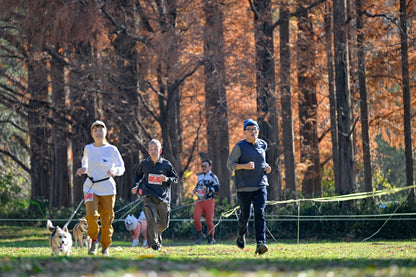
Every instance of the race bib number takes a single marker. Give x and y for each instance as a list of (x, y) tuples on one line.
[(154, 179), (88, 197)]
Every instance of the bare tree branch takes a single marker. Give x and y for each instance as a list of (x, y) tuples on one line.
[(15, 159), (194, 144), (124, 28), (299, 10)]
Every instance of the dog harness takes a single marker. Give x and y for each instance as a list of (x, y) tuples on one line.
[(92, 180)]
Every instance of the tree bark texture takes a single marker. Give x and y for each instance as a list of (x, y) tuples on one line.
[(308, 108), (404, 52), (170, 99), (39, 129), (215, 96), (343, 95), (128, 101), (331, 93), (61, 194), (286, 106), (362, 82), (266, 91), (83, 111)]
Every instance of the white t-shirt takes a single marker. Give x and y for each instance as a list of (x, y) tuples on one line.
[(97, 161)]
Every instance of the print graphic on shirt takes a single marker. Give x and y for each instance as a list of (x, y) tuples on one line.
[(105, 162), (200, 192)]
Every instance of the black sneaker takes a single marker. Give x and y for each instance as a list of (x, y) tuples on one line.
[(93, 249), (199, 237), (241, 241), (211, 239), (261, 248)]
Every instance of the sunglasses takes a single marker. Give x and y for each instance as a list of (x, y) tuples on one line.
[(251, 129)]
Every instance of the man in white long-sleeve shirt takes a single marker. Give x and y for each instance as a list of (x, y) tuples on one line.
[(101, 162)]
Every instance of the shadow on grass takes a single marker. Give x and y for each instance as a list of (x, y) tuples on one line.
[(75, 266), (25, 252)]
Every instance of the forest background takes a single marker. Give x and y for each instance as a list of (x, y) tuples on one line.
[(331, 84)]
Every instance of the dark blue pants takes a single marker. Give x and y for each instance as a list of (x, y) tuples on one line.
[(258, 198)]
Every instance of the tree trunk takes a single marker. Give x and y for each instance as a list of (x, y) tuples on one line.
[(216, 98), (266, 91), (82, 112), (332, 97), (125, 48), (61, 188), (343, 95), (172, 137), (39, 130), (170, 103), (406, 99), (286, 101), (365, 136), (308, 108)]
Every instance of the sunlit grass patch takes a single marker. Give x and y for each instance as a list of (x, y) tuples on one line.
[(27, 253)]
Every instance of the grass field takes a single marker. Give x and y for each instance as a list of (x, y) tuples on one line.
[(25, 252)]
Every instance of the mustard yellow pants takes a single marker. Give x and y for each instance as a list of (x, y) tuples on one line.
[(101, 207)]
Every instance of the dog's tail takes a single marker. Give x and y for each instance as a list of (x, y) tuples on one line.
[(50, 226)]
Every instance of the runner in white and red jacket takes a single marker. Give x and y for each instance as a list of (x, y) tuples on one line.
[(205, 189)]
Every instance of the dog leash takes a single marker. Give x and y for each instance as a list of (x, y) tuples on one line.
[(89, 189), (121, 218), (83, 199), (72, 216), (181, 207), (187, 205), (128, 205)]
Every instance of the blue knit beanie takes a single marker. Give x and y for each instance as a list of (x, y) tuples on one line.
[(249, 122)]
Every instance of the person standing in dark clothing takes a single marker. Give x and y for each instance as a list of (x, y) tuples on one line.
[(153, 179), (248, 160)]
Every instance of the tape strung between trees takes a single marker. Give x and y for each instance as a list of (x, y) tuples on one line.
[(345, 197)]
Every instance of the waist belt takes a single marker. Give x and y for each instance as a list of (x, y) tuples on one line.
[(92, 180)]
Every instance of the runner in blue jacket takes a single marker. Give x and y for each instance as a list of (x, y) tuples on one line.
[(248, 160)]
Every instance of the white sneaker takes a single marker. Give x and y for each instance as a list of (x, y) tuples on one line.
[(106, 252), (135, 242)]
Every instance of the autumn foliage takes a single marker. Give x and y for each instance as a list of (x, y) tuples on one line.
[(139, 66)]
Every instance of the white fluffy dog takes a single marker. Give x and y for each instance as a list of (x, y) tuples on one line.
[(60, 240), (137, 228)]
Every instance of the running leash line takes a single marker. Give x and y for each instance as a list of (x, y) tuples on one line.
[(72, 216), (139, 200), (79, 205), (128, 205), (187, 205)]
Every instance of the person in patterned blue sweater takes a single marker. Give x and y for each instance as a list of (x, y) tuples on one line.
[(205, 189)]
